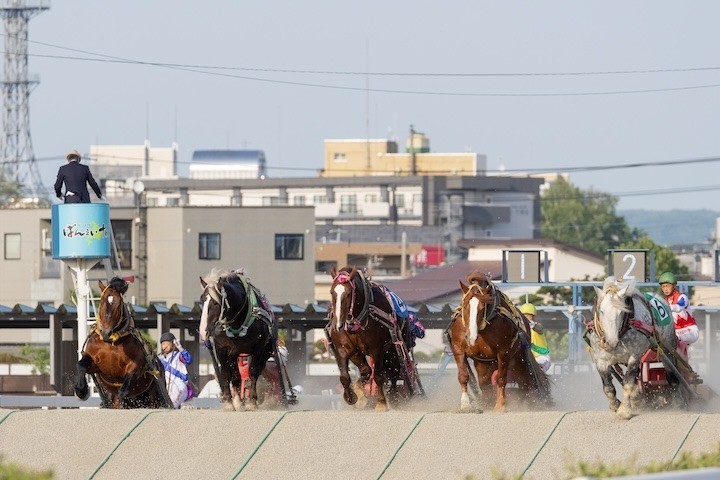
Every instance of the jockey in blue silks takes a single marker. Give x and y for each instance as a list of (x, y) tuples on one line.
[(417, 329), (174, 358)]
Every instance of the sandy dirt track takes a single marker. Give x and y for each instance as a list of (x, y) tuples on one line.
[(344, 443)]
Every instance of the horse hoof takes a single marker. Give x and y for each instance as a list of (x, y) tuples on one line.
[(82, 394), (350, 397), (624, 413), (361, 401), (381, 407), (228, 407), (251, 407)]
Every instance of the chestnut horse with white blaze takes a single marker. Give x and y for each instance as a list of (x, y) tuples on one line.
[(487, 329), (124, 367), (361, 324)]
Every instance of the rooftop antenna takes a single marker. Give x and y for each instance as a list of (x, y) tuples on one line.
[(18, 158)]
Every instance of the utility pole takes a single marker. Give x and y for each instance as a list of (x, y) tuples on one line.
[(413, 157), (18, 158)]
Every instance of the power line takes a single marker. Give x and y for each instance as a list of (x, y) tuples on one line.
[(204, 70), (379, 74)]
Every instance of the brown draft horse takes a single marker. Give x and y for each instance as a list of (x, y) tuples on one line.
[(123, 365), (360, 325), (236, 319), (488, 329)]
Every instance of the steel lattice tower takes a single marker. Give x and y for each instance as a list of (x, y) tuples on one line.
[(18, 158)]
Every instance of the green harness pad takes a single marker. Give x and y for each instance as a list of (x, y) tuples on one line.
[(659, 309)]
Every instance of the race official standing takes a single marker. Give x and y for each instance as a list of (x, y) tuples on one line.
[(76, 177)]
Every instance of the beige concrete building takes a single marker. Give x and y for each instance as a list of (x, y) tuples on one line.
[(373, 157), (167, 249)]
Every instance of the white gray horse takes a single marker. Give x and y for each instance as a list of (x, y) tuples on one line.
[(615, 341)]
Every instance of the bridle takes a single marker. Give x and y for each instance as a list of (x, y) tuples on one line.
[(122, 328), (598, 326), (219, 296), (354, 323)]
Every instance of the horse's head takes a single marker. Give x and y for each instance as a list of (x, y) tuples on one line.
[(610, 309), (476, 296), (222, 299), (112, 314), (349, 293)]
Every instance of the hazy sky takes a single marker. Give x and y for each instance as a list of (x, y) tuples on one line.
[(534, 85)]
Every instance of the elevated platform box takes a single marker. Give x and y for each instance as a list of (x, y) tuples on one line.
[(81, 230)]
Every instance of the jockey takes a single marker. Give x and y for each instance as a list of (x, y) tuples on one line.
[(417, 330), (538, 341), (174, 358), (686, 328)]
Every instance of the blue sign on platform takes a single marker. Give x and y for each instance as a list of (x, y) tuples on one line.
[(81, 230)]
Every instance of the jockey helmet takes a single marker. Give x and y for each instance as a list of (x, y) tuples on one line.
[(667, 277), (167, 337), (528, 309)]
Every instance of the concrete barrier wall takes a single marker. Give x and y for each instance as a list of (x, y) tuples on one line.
[(343, 443)]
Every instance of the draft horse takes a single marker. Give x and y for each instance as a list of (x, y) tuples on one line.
[(487, 329), (237, 320), (125, 369), (622, 329), (362, 323)]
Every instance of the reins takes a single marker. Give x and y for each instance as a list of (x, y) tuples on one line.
[(355, 322), (600, 329), (123, 327)]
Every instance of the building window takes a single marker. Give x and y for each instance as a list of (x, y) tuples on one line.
[(417, 198), (325, 266), (122, 231), (318, 199), (348, 203), (209, 246), (289, 246), (12, 246), (400, 200), (371, 198), (270, 201), (299, 200), (339, 158)]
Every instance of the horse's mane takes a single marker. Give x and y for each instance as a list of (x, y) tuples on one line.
[(218, 275), (480, 278), (119, 285), (613, 285)]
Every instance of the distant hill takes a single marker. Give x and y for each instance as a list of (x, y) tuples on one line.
[(674, 227)]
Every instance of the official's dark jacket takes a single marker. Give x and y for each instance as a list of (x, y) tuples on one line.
[(75, 175)]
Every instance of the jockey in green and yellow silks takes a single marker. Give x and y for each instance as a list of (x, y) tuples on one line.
[(538, 341)]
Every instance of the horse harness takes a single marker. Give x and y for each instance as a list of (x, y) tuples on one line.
[(501, 306), (124, 328), (257, 307), (368, 310), (628, 322)]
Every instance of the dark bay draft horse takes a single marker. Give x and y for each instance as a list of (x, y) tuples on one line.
[(237, 320), (123, 365), (361, 324), (487, 329)]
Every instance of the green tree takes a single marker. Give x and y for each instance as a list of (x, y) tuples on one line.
[(39, 357), (13, 195), (665, 259), (585, 219)]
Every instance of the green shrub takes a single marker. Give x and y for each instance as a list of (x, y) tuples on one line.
[(10, 471)]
